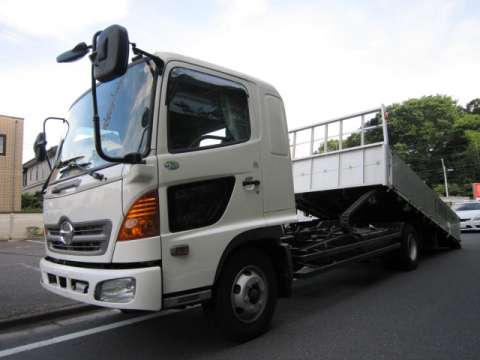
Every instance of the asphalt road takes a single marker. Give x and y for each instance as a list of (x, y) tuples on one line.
[(361, 312), (21, 293)]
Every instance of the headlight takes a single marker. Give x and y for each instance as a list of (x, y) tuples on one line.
[(116, 290)]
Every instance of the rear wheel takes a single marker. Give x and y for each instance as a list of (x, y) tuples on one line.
[(455, 245), (134, 312), (245, 296), (406, 258)]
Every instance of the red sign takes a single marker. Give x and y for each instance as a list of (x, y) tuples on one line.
[(476, 191)]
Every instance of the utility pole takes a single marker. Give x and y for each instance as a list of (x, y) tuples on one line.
[(445, 177)]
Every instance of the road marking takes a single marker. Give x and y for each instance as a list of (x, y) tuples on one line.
[(29, 267), (37, 241), (19, 264), (18, 254), (79, 334)]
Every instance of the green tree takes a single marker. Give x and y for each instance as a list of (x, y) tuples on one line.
[(424, 130), (469, 122), (473, 106), (32, 202)]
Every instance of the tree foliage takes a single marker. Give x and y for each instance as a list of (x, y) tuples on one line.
[(425, 130), (473, 107), (32, 202)]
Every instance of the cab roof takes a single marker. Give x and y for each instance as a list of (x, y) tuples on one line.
[(168, 57)]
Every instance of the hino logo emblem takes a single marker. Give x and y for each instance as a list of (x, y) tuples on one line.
[(66, 232)]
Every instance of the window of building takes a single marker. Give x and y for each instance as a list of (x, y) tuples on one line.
[(3, 144), (205, 111)]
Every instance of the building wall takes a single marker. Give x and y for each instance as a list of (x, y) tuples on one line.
[(20, 226), (35, 173), (11, 164)]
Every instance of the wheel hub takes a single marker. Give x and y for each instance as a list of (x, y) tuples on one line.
[(249, 294), (412, 247)]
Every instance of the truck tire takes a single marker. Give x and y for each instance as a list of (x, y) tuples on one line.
[(406, 258), (245, 296), (455, 245), (134, 312)]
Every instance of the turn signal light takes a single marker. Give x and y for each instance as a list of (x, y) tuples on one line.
[(142, 220)]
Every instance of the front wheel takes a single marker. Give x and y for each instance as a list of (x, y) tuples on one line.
[(245, 296)]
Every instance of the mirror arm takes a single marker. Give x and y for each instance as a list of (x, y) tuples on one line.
[(45, 132), (136, 159), (159, 62)]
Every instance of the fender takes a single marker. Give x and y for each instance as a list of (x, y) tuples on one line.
[(267, 239)]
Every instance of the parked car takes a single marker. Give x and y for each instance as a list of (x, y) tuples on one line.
[(469, 214)]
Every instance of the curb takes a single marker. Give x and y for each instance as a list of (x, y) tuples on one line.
[(28, 319)]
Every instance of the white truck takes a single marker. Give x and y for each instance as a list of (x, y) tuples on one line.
[(174, 186)]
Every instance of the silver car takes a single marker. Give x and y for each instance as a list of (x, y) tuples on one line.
[(469, 214)]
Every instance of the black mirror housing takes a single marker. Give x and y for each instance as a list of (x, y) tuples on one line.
[(110, 56), (40, 147)]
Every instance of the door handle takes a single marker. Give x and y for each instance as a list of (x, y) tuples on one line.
[(251, 182), (65, 186)]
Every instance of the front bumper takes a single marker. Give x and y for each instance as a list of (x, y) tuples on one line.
[(148, 292), (470, 225)]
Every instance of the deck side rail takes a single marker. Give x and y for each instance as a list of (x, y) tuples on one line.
[(349, 151)]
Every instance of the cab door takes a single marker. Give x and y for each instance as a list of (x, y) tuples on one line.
[(209, 171)]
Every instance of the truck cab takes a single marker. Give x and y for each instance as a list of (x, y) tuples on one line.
[(216, 175)]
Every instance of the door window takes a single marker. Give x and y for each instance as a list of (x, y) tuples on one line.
[(198, 204), (205, 111)]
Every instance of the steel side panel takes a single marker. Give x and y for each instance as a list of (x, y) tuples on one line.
[(373, 165), (418, 194), (351, 168)]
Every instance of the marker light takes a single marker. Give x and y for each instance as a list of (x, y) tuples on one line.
[(142, 220)]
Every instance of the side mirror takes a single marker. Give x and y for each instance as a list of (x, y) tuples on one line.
[(40, 147), (110, 53)]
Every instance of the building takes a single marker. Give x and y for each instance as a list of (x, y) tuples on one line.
[(11, 145), (35, 173)]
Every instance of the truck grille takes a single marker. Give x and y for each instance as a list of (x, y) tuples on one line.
[(86, 238)]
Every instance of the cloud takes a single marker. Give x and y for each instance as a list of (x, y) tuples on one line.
[(56, 18), (332, 58), (35, 93), (236, 12), (326, 58), (10, 36)]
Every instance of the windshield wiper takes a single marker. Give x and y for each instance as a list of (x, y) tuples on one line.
[(71, 163), (62, 164)]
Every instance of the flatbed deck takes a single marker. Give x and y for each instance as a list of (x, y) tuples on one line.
[(357, 196), (350, 156)]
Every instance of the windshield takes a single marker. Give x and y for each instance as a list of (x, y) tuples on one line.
[(469, 206), (125, 119)]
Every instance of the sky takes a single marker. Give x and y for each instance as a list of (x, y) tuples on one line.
[(326, 58)]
